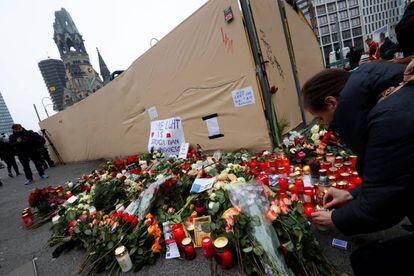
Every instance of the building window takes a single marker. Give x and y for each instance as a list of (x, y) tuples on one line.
[(333, 18), (321, 9), (344, 25), (326, 39), (357, 31), (341, 5), (354, 12), (333, 28), (343, 15), (355, 22), (352, 3), (346, 34), (324, 30), (334, 37), (323, 20), (331, 7)]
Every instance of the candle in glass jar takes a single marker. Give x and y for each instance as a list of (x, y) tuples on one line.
[(300, 185), (282, 172), (123, 258), (357, 180), (308, 195), (353, 159), (330, 157), (208, 247), (27, 220), (283, 184), (179, 234), (223, 252), (188, 247), (348, 167), (340, 168)]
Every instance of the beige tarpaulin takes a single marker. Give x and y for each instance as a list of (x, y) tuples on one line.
[(274, 48), (190, 73)]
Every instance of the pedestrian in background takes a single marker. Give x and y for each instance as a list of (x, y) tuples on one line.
[(354, 57), (27, 143), (373, 49), (387, 48), (7, 154)]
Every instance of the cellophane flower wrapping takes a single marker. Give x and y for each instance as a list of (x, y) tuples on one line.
[(250, 199)]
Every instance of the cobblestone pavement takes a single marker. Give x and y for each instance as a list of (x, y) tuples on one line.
[(19, 246)]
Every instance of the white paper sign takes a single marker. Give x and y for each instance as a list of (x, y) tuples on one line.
[(166, 136), (152, 112), (184, 150), (244, 96), (72, 199), (213, 126), (202, 184)]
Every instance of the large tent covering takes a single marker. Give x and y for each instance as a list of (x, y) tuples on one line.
[(191, 73)]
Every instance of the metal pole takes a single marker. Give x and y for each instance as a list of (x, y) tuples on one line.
[(289, 45), (341, 46), (37, 113), (251, 31)]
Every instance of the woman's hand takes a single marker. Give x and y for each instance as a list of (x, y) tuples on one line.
[(408, 74), (336, 198), (323, 218)]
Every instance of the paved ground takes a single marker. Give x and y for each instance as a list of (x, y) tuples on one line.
[(19, 246)]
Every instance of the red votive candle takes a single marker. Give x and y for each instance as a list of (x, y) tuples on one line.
[(283, 184), (308, 195), (353, 159), (223, 252), (179, 234), (208, 247), (188, 248)]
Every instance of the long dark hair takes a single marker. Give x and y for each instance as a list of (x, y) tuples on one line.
[(329, 82)]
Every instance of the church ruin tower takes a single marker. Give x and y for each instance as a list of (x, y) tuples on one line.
[(106, 75), (82, 79)]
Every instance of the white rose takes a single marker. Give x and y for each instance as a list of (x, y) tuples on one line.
[(212, 196), (322, 132), (293, 150), (70, 185), (317, 142), (315, 129), (241, 180), (315, 137)]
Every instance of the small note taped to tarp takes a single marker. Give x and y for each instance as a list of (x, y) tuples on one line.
[(202, 184), (152, 112), (242, 97)]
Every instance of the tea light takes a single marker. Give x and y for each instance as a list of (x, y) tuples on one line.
[(122, 256)]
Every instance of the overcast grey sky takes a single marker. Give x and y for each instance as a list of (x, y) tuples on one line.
[(120, 29)]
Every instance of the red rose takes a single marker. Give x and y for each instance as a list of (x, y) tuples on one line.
[(123, 178), (73, 223), (114, 174), (83, 217)]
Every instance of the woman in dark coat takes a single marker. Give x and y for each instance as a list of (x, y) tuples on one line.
[(381, 132)]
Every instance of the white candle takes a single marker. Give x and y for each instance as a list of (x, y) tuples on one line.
[(122, 256), (55, 219), (92, 210)]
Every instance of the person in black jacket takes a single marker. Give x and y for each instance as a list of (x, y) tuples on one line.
[(27, 143), (387, 48), (381, 133), (7, 153), (354, 57)]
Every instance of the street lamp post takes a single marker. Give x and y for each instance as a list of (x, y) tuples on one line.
[(44, 106)]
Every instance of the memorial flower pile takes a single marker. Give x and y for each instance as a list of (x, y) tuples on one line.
[(249, 210)]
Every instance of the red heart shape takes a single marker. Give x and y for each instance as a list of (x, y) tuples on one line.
[(168, 135)]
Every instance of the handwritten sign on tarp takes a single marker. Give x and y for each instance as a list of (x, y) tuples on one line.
[(244, 96), (166, 136)]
